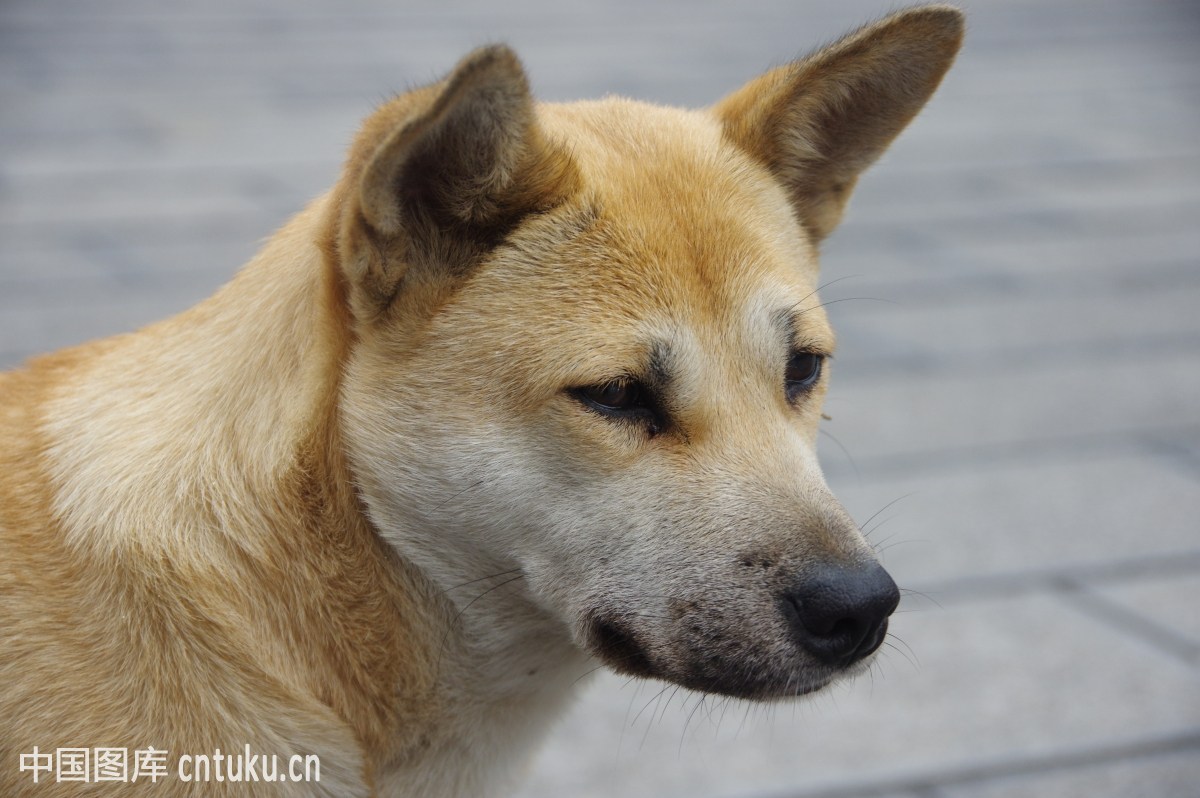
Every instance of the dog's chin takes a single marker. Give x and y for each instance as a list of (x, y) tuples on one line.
[(737, 685), (620, 649)]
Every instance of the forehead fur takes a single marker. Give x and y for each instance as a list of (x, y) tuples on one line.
[(673, 236), (678, 189), (670, 212)]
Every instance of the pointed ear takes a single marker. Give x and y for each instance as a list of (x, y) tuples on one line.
[(441, 174), (819, 122)]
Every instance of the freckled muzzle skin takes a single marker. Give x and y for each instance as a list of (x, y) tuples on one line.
[(756, 646), (749, 627)]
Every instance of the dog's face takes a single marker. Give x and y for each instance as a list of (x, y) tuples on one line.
[(591, 352)]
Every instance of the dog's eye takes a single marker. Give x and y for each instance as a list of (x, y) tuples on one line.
[(618, 395), (623, 400), (803, 371)]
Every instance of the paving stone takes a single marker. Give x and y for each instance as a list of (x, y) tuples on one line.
[(102, 237), (862, 249), (1170, 775), (874, 792), (61, 197), (977, 697), (959, 524), (914, 289), (1169, 602), (887, 416), (62, 278), (25, 334), (1182, 447), (1032, 326)]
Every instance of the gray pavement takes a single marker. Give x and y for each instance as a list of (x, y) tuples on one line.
[(1028, 390)]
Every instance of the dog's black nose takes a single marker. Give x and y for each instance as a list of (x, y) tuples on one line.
[(840, 613)]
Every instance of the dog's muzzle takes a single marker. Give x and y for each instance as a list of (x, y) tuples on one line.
[(788, 639)]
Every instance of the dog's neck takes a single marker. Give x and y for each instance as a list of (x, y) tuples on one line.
[(212, 441)]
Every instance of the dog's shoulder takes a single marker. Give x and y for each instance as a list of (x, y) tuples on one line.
[(176, 576)]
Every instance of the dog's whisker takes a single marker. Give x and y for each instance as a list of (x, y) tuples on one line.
[(587, 673), (454, 623), (879, 543), (927, 596), (849, 299), (491, 589), (745, 718), (906, 651), (880, 546), (657, 700), (687, 722), (863, 526), (711, 707), (844, 299), (822, 287), (481, 579), (889, 648), (845, 451), (653, 698), (879, 524), (472, 486), (894, 544), (662, 715)]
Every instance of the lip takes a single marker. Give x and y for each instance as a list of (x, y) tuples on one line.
[(773, 690), (809, 689)]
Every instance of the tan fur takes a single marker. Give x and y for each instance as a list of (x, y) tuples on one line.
[(288, 517)]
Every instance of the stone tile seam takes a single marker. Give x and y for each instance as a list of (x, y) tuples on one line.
[(179, 168), (1047, 356), (996, 285), (1182, 456), (1089, 446), (1007, 585), (1127, 621), (934, 783), (46, 226)]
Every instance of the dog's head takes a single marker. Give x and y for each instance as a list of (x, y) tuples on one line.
[(589, 350)]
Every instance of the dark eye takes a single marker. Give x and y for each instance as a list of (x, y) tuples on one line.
[(623, 400), (803, 371), (617, 396)]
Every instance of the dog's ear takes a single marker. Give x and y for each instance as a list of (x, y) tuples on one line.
[(441, 174), (817, 123)]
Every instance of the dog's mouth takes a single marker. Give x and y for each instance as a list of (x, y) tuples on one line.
[(614, 643), (726, 665), (794, 643)]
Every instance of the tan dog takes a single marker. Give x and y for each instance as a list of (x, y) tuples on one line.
[(532, 386)]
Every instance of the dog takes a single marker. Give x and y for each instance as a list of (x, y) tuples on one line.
[(532, 389)]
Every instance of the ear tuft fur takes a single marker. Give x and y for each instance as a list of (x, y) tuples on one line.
[(817, 123), (459, 153), (442, 173)]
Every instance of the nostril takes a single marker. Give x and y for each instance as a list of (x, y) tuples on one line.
[(819, 622), (839, 615), (846, 627), (828, 635)]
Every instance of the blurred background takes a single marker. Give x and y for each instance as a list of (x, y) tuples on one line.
[(1016, 399)]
